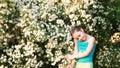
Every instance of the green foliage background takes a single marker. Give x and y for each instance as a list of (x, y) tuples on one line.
[(35, 33)]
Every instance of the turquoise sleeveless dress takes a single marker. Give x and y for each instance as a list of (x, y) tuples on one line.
[(85, 61)]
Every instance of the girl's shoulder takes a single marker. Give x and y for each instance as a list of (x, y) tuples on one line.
[(91, 39)]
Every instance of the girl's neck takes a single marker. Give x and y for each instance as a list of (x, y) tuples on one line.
[(85, 38)]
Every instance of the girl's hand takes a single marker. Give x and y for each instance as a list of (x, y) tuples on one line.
[(70, 57), (75, 40), (69, 66), (70, 60)]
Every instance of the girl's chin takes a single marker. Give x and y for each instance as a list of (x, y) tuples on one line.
[(81, 40)]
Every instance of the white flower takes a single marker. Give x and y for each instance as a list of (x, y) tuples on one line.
[(92, 2), (69, 37), (90, 28), (94, 6), (52, 17), (86, 1), (71, 16), (44, 14), (40, 63), (106, 13), (65, 1), (78, 22), (2, 66), (74, 8), (94, 20), (3, 11), (60, 22), (3, 5), (83, 13), (73, 23)]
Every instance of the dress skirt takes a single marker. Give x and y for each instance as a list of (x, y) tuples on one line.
[(84, 65)]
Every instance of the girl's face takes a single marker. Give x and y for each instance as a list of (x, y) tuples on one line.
[(78, 35)]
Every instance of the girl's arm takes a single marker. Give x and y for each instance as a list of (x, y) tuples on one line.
[(74, 52), (71, 61), (71, 65), (86, 53), (75, 47)]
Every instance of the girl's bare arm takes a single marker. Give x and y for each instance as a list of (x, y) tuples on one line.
[(86, 53)]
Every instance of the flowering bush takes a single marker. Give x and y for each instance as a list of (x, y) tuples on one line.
[(35, 33)]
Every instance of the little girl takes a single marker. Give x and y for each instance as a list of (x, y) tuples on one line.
[(83, 49)]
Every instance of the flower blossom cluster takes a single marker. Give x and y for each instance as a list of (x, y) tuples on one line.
[(36, 33)]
